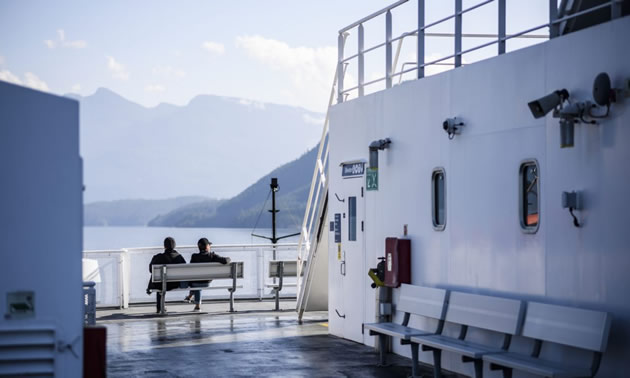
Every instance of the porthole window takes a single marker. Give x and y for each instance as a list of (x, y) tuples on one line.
[(438, 199), (529, 199)]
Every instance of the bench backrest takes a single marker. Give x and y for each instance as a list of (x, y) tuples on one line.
[(196, 272), (289, 268), (575, 327), (424, 301), (482, 311)]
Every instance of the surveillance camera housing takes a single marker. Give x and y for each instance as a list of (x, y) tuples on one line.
[(452, 126), (544, 105)]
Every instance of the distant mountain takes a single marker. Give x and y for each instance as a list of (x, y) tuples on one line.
[(212, 147), (243, 210), (133, 212)]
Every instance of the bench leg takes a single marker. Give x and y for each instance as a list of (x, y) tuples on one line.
[(414, 359), (382, 350), (277, 299), (162, 301), (478, 368), (231, 301), (437, 363)]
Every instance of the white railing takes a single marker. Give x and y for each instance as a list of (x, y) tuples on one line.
[(421, 33), (124, 274)]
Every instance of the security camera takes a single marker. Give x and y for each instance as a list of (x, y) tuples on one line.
[(544, 105), (452, 126)]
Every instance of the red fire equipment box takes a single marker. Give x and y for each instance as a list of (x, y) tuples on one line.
[(397, 262)]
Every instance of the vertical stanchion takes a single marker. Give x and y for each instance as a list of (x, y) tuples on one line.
[(420, 41), (340, 75), (458, 33), (361, 61), (388, 49), (553, 15), (163, 294), (501, 33)]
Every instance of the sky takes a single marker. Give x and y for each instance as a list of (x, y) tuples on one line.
[(274, 51)]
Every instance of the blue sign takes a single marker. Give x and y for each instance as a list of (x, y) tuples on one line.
[(337, 228), (353, 169)]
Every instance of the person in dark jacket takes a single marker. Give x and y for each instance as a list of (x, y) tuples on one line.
[(169, 256), (204, 256)]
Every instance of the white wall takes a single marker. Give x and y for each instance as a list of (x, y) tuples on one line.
[(41, 222), (483, 248)]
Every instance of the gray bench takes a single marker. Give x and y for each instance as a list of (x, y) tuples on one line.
[(579, 328), (471, 310), (416, 300), (197, 272), (280, 269)]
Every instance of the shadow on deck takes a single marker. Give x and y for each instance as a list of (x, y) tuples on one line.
[(255, 341)]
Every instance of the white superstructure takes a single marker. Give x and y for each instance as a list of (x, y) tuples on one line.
[(482, 243)]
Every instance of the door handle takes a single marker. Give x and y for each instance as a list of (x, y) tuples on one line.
[(342, 268)]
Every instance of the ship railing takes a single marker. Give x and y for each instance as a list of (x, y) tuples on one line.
[(454, 59), (123, 274)]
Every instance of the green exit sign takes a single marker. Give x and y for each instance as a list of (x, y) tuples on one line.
[(371, 179)]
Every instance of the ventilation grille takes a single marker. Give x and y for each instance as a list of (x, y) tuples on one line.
[(27, 351)]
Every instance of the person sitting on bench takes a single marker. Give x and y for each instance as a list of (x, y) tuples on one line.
[(204, 256), (169, 256)]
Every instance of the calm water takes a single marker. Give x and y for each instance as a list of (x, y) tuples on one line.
[(130, 237)]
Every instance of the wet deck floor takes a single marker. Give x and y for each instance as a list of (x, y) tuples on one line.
[(255, 341)]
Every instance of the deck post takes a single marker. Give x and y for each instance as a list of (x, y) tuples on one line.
[(458, 33), (361, 61), (388, 49), (233, 288), (554, 29), (420, 41), (340, 43), (501, 41)]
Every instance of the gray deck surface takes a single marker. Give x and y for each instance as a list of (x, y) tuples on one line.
[(255, 341)]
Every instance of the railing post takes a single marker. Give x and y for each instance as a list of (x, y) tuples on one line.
[(615, 9), (361, 64), (340, 72), (420, 45), (553, 15), (501, 27), (458, 33), (388, 49)]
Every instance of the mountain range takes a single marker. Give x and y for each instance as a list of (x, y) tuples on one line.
[(213, 147)]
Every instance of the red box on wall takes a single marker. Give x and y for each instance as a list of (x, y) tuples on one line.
[(397, 262)]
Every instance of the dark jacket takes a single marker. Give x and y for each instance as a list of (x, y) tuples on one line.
[(206, 257), (169, 256)]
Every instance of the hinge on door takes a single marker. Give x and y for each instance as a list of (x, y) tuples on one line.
[(361, 192), (361, 226)]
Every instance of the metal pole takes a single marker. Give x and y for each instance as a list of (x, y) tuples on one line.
[(615, 9), (163, 294), (361, 61), (388, 49), (420, 47), (340, 43), (554, 29), (501, 27), (458, 33)]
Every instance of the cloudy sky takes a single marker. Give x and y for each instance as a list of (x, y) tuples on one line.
[(280, 51)]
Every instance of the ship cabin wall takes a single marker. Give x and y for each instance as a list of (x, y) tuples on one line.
[(483, 248), (42, 231)]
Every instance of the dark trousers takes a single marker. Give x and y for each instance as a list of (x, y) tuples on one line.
[(158, 297)]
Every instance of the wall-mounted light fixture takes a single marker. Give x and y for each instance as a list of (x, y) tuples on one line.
[(380, 144)]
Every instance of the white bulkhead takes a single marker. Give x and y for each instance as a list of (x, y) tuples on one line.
[(483, 247), (41, 294)]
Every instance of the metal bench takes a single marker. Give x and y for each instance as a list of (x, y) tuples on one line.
[(416, 300), (280, 269), (471, 310), (197, 272), (579, 328)]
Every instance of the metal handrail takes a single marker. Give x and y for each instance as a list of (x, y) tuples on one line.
[(499, 39)]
